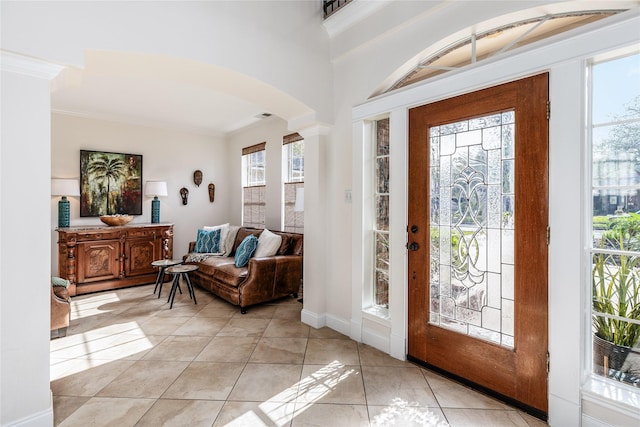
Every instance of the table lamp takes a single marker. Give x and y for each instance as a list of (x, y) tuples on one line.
[(155, 189), (64, 188)]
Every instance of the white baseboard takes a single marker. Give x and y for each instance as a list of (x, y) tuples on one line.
[(312, 319), (338, 324), (356, 330), (375, 339), (398, 347), (39, 419)]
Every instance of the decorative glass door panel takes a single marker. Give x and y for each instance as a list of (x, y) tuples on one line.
[(472, 204)]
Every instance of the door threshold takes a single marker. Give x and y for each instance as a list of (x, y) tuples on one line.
[(505, 399)]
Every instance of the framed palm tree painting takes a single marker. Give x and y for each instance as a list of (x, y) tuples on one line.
[(110, 183)]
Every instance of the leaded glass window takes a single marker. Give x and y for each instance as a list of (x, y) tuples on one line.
[(472, 223), (381, 223)]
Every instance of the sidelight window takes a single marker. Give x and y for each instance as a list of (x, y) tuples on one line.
[(381, 221), (614, 255)]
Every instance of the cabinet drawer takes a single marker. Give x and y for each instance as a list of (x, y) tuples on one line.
[(135, 234), (106, 235)]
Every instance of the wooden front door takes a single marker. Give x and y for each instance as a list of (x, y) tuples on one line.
[(478, 211)]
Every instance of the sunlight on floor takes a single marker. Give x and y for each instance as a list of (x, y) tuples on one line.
[(281, 408), (399, 413), (122, 339), (93, 306)]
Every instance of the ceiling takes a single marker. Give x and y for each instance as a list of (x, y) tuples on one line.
[(165, 92)]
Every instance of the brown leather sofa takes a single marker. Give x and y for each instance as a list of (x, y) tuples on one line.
[(60, 311), (262, 280)]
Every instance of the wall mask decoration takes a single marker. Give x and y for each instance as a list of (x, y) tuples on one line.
[(212, 192), (184, 193), (197, 177)]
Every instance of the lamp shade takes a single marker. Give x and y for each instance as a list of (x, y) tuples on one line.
[(155, 188), (65, 187), (299, 206)]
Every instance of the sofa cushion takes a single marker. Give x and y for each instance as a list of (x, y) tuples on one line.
[(245, 251), (268, 244), (223, 269), (230, 239), (241, 234), (224, 231), (208, 241)]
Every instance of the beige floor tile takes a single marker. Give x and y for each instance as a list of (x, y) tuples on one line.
[(182, 307), (244, 327), (260, 311), (453, 395), (288, 312), (255, 414), (218, 308), (108, 412), (178, 413), (144, 379), (397, 386), (370, 356), (326, 333), (532, 421), (406, 416), (228, 349), (332, 383), (279, 350), (95, 345), (322, 415), (63, 406), (267, 382), (483, 418), (130, 349), (323, 351), (178, 348), (162, 325), (202, 326), (85, 377), (205, 380), (285, 328)]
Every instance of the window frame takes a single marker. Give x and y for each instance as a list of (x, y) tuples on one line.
[(597, 384)]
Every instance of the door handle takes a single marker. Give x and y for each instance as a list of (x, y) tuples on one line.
[(413, 246)]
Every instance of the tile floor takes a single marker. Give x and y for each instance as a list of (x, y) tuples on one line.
[(128, 360)]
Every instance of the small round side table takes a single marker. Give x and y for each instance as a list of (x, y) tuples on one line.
[(181, 271), (162, 265)]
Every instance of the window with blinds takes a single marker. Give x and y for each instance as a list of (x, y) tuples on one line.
[(293, 159), (253, 191)]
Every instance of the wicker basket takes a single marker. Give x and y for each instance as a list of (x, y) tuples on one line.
[(116, 219)]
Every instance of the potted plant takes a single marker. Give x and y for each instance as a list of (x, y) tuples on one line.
[(616, 294)]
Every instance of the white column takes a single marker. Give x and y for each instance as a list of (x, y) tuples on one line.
[(25, 233), (315, 225)]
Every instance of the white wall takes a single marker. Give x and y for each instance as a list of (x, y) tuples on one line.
[(281, 43), (166, 156), (24, 239)]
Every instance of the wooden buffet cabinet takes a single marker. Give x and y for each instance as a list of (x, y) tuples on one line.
[(100, 258)]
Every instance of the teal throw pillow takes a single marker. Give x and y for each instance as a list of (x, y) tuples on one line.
[(59, 281), (208, 241), (245, 250)]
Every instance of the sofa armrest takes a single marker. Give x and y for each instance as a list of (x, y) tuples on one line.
[(271, 277), (192, 247)]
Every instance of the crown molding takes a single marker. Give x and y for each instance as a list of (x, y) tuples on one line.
[(29, 66)]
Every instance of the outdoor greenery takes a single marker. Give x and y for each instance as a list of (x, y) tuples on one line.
[(616, 282)]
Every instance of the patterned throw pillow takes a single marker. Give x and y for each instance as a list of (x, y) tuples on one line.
[(245, 250), (208, 241)]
